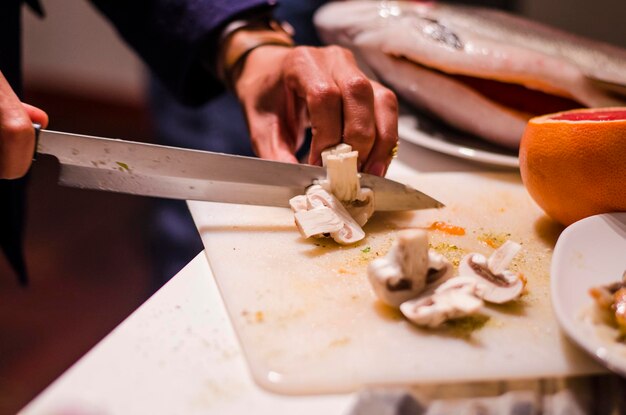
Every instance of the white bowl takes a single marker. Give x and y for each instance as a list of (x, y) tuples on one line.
[(589, 253)]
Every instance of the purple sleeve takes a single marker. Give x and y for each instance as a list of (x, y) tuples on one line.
[(174, 36)]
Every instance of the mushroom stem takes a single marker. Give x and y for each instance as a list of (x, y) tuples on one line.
[(342, 177), (405, 271), (494, 283)]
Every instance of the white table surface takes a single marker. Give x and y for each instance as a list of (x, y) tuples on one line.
[(178, 354)]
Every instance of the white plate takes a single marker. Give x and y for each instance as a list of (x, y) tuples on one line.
[(589, 253), (418, 131)]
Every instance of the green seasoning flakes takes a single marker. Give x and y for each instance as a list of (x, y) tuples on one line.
[(123, 166)]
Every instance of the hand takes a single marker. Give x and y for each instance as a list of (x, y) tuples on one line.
[(280, 88), (17, 136)]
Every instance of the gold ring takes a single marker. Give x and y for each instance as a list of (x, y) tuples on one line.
[(394, 151)]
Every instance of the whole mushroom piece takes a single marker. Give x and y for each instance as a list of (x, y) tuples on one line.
[(337, 206), (319, 213), (406, 269), (408, 275), (494, 282)]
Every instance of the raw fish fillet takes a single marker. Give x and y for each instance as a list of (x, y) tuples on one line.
[(480, 70)]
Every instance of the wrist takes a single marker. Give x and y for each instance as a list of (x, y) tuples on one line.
[(242, 37)]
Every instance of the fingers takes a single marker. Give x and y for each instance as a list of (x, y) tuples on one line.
[(267, 134), (307, 74), (341, 103), (359, 124), (386, 115), (344, 106), (36, 115), (17, 136), (273, 117)]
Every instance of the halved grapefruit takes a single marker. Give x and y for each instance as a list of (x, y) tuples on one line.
[(573, 163)]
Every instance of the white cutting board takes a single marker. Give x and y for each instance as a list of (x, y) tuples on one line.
[(308, 320)]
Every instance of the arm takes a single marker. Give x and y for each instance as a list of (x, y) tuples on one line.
[(176, 37)]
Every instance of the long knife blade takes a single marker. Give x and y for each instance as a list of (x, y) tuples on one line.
[(176, 173)]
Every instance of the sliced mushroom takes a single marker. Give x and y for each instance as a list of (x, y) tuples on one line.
[(494, 283), (350, 232), (500, 259), (404, 272), (317, 222), (299, 203), (342, 177), (449, 301), (361, 208), (439, 268)]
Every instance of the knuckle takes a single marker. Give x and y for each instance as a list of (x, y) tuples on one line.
[(359, 132), (16, 129), (387, 99), (323, 93), (389, 137), (359, 85), (336, 50)]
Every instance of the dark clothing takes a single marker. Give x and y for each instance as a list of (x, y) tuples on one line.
[(220, 126), (174, 38)]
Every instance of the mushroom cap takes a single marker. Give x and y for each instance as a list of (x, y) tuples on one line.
[(351, 232), (389, 283), (434, 310), (317, 221), (495, 288), (298, 203), (361, 208)]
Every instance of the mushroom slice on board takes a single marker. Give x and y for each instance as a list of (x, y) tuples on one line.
[(404, 272), (494, 283), (350, 231), (317, 222), (361, 208), (299, 203), (452, 299)]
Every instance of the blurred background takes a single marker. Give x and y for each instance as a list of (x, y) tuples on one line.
[(88, 252)]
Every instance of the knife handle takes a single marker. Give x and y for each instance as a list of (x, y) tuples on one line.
[(37, 128)]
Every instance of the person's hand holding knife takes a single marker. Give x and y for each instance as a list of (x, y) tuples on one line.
[(17, 136)]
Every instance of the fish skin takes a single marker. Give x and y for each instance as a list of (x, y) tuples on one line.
[(473, 41), (596, 59)]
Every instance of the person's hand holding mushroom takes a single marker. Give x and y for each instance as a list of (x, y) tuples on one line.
[(283, 89)]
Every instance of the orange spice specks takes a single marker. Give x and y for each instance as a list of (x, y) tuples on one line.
[(259, 317), (447, 228), (523, 278), (491, 242), (345, 271)]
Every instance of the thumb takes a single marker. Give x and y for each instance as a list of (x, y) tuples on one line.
[(36, 115)]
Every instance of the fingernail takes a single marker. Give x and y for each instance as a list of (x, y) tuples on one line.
[(377, 168)]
